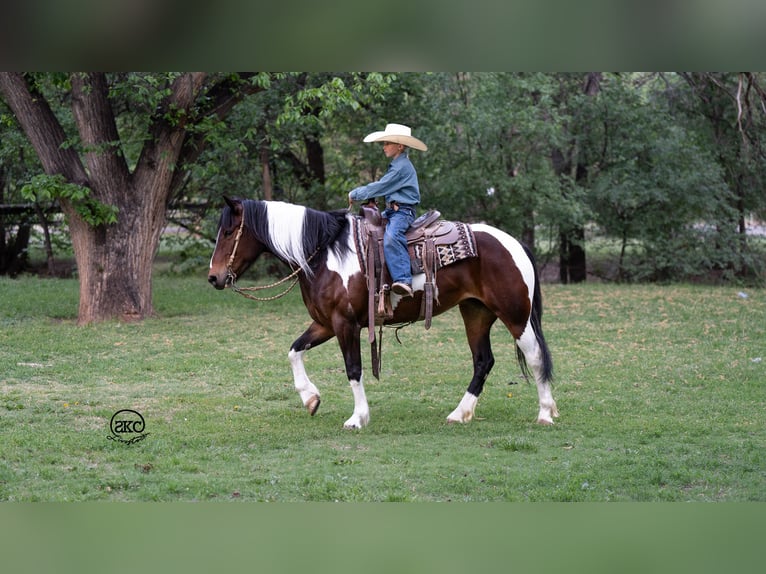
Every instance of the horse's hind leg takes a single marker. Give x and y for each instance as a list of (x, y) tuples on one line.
[(532, 351), (315, 335), (478, 321)]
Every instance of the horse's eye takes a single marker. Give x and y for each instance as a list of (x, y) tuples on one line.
[(227, 233)]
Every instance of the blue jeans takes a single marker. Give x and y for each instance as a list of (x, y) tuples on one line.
[(395, 243)]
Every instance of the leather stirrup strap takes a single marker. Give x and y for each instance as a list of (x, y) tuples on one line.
[(374, 278), (429, 266), (370, 272)]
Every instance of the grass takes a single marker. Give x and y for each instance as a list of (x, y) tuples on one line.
[(661, 394)]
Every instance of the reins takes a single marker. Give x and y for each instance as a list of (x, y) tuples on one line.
[(244, 291)]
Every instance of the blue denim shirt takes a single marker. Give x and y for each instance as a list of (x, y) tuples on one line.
[(399, 183)]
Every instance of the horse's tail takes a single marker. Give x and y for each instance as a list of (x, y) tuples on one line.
[(535, 319)]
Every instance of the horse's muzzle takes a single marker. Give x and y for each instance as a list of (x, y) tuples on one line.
[(213, 280)]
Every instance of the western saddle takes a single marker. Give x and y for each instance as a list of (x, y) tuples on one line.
[(431, 242)]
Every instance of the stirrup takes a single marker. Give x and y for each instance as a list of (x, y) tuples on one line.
[(402, 289)]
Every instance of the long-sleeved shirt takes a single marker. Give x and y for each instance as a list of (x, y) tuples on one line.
[(399, 184)]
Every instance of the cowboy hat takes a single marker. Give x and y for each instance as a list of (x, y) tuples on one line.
[(397, 133)]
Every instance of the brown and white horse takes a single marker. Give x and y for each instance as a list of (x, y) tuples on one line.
[(501, 283)]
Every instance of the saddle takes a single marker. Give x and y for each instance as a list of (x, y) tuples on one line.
[(432, 244)]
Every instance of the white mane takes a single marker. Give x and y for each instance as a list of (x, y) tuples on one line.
[(286, 231)]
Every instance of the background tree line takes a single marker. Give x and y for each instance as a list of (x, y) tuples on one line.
[(664, 170)]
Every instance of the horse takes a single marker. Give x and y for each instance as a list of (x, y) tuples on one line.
[(502, 282)]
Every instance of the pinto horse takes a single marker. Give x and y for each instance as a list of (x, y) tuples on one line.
[(501, 283)]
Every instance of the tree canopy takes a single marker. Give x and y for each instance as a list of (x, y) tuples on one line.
[(668, 167)]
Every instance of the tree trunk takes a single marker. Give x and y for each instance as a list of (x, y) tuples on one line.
[(268, 188), (315, 158), (572, 267), (114, 261), (572, 260), (528, 227), (47, 239)]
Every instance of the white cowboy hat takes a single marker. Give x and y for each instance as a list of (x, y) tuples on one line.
[(397, 133)]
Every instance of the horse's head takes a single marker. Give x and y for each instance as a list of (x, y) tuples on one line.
[(236, 248)]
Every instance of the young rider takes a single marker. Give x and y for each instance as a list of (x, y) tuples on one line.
[(401, 193)]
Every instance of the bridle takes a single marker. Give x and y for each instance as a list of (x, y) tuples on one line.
[(231, 277)]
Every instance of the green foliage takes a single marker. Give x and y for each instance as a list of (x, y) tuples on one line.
[(490, 137), (298, 111), (18, 162), (663, 164), (43, 188), (654, 186), (17, 158), (327, 95)]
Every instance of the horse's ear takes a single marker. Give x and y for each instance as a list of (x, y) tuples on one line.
[(234, 204), (229, 201)]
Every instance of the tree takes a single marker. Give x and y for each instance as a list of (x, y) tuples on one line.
[(732, 110), (297, 142), (654, 183), (489, 160), (116, 222), (299, 120), (570, 164), (17, 164), (522, 151)]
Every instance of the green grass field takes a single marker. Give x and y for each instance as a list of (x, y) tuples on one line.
[(661, 390)]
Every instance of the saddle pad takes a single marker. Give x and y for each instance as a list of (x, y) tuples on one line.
[(446, 254)]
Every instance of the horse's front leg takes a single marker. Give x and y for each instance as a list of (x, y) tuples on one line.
[(315, 335), (348, 337)]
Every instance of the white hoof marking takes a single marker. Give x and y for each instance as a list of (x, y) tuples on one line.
[(464, 411), (356, 421)]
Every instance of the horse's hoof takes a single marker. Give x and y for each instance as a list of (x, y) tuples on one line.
[(313, 405), (546, 422), (462, 421), (357, 422), (464, 411)]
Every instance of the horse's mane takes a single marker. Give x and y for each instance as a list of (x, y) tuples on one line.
[(295, 233)]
